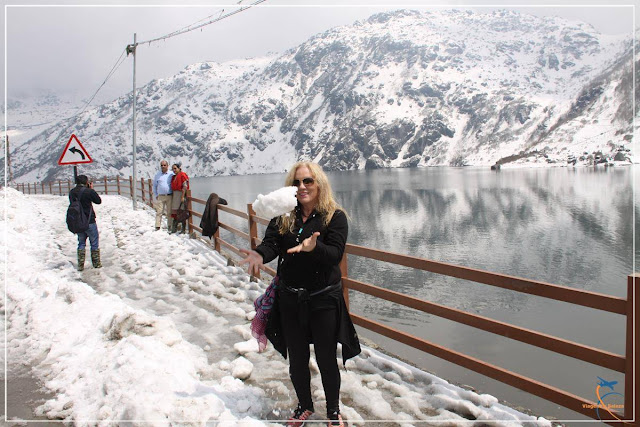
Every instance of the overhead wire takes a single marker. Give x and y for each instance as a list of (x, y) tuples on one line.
[(197, 22), (115, 67), (119, 62), (191, 27), (129, 49)]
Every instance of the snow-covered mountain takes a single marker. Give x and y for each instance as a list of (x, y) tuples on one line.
[(32, 113), (401, 89)]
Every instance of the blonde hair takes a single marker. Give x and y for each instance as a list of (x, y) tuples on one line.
[(326, 203)]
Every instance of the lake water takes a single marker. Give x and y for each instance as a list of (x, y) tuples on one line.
[(566, 226)]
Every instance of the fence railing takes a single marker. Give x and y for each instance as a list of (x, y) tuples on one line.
[(105, 185), (625, 364)]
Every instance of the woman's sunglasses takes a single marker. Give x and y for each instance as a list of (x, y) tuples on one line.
[(306, 181)]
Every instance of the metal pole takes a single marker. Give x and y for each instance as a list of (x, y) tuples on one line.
[(9, 161), (134, 116)]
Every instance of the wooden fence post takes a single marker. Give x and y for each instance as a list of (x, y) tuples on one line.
[(42, 185), (131, 193), (142, 188), (216, 240), (632, 356), (106, 189), (118, 184), (50, 187), (253, 227), (253, 230), (60, 186), (150, 192), (344, 272), (190, 219)]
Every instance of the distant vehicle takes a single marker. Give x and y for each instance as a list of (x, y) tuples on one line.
[(604, 383)]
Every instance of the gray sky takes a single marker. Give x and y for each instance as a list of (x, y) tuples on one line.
[(73, 48)]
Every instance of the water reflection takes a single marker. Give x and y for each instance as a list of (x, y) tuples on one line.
[(572, 227), (544, 225)]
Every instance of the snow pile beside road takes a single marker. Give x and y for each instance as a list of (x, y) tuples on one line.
[(160, 335)]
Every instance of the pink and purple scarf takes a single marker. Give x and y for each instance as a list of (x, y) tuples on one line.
[(263, 305)]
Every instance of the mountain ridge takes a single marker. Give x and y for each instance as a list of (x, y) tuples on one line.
[(399, 89)]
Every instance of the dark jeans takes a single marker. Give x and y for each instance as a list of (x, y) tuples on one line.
[(92, 234), (322, 322)]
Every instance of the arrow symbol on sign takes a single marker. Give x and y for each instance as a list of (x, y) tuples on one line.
[(75, 150)]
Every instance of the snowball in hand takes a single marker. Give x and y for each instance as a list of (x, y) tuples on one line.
[(276, 203)]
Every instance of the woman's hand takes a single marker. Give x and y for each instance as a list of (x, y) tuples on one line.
[(307, 244), (254, 259)]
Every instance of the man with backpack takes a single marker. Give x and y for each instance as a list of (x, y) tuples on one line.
[(78, 219)]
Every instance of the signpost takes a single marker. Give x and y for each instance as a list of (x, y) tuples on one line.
[(74, 154)]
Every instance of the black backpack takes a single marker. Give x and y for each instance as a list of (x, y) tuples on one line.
[(77, 221)]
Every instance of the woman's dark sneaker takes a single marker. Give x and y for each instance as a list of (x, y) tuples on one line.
[(335, 420), (299, 417)]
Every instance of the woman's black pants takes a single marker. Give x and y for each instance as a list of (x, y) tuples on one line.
[(322, 332)]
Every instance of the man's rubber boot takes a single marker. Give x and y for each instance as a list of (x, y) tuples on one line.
[(82, 254), (95, 258)]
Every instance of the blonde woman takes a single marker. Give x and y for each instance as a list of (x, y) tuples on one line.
[(309, 307)]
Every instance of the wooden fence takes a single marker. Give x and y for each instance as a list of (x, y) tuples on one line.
[(624, 363), (105, 185)]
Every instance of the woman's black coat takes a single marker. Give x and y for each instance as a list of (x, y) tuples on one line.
[(313, 271)]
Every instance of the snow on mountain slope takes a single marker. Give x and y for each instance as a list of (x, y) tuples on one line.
[(400, 89)]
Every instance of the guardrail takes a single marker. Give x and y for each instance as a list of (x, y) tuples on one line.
[(104, 185), (627, 307)]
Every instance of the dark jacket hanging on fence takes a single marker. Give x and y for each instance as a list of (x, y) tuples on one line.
[(209, 222)]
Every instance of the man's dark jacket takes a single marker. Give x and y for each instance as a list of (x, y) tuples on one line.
[(87, 197), (209, 222)]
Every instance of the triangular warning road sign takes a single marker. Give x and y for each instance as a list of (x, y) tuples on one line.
[(74, 153)]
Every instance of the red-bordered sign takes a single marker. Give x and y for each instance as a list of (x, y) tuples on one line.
[(74, 153)]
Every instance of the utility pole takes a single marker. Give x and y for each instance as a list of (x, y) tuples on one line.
[(8, 159), (132, 49)]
